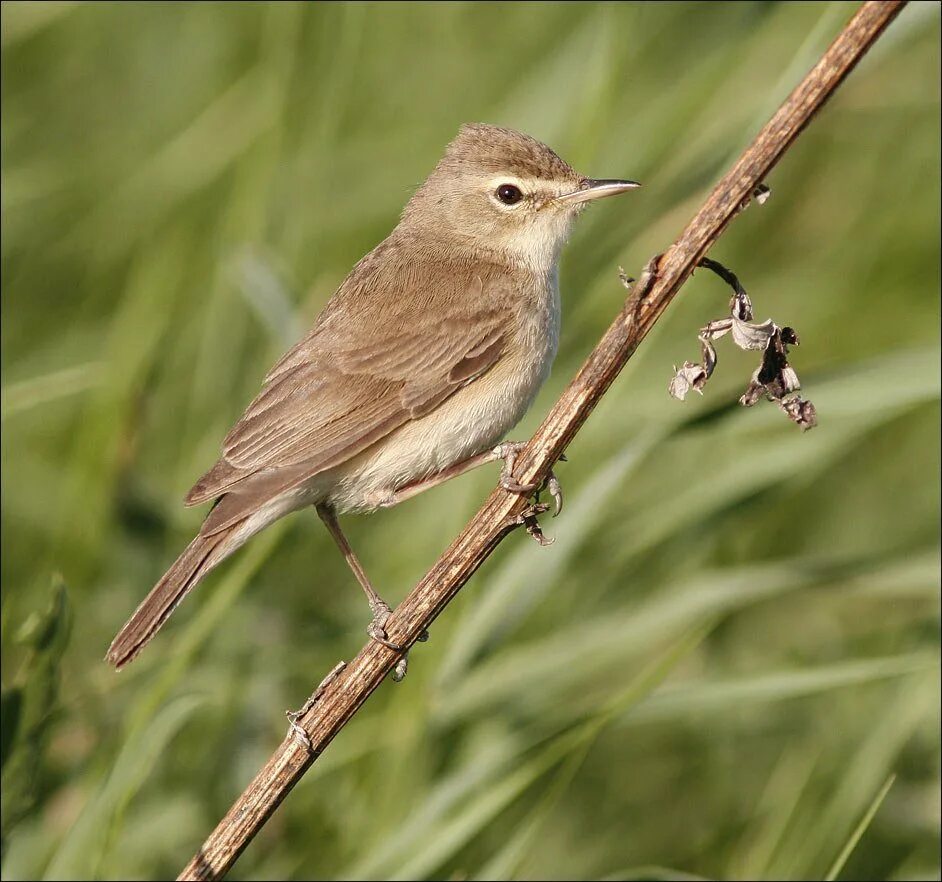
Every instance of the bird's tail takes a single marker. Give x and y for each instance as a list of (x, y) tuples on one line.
[(199, 557)]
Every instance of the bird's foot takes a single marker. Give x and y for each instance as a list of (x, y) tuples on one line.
[(508, 451), (377, 630), (377, 627)]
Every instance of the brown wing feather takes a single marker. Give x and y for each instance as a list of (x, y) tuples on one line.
[(332, 396)]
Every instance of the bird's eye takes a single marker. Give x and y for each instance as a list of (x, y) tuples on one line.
[(509, 194)]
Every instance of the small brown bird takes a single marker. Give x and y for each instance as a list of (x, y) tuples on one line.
[(429, 352)]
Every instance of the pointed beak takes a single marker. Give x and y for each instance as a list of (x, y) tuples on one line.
[(597, 188)]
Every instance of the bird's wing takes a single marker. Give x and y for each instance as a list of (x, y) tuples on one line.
[(342, 389)]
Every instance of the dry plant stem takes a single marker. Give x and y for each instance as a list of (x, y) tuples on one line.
[(342, 696)]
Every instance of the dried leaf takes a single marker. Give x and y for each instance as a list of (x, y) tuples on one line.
[(747, 335), (774, 379), (800, 411), (688, 376)]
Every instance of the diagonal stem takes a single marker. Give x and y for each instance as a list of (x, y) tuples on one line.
[(344, 695)]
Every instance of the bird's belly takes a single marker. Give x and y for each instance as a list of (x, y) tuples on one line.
[(470, 421)]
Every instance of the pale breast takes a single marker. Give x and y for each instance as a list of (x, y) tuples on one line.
[(472, 420)]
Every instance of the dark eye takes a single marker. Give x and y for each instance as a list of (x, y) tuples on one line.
[(509, 194)]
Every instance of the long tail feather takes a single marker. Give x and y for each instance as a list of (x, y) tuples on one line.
[(199, 557)]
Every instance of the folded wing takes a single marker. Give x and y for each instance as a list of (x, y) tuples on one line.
[(342, 389)]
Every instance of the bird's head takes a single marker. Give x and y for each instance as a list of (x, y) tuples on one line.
[(497, 190)]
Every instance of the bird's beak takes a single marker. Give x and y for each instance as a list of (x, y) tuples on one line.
[(595, 188)]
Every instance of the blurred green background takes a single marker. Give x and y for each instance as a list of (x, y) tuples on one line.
[(733, 644)]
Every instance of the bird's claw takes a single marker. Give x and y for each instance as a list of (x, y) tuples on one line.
[(377, 630), (554, 488), (402, 666), (377, 627), (508, 451), (401, 669), (508, 482)]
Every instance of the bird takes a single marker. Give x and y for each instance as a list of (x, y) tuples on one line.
[(426, 356)]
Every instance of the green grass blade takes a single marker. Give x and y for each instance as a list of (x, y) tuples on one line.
[(859, 830)]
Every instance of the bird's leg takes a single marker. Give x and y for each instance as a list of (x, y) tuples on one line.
[(380, 608), (459, 468), (506, 451)]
